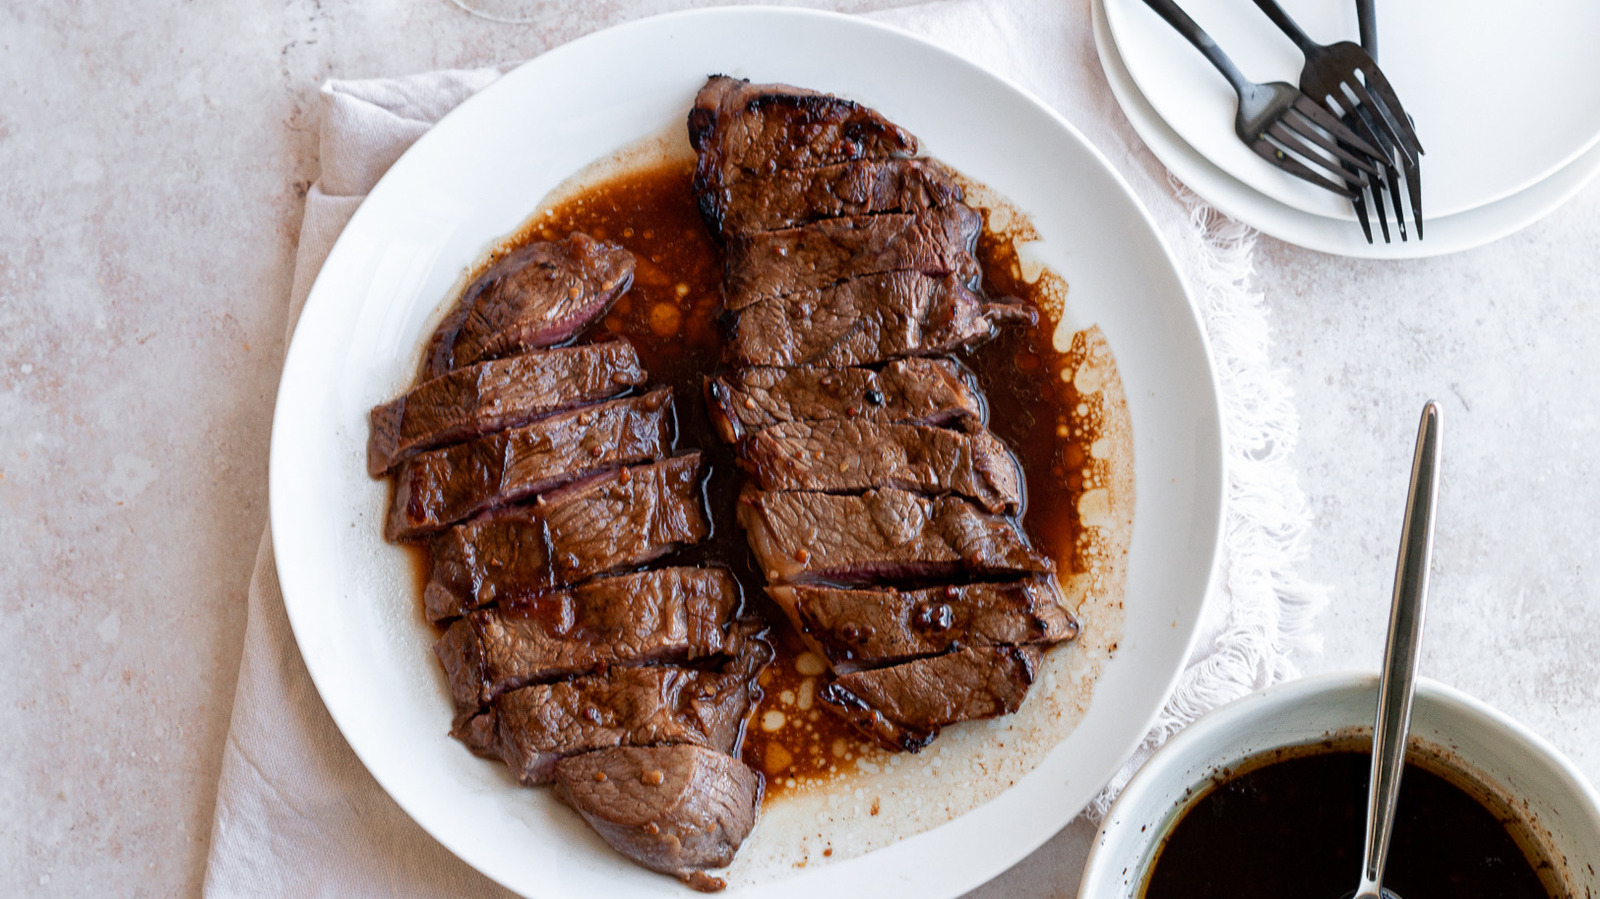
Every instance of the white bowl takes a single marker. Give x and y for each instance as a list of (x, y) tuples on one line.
[(1507, 760)]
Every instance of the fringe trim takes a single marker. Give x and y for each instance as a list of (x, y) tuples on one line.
[(1259, 611)]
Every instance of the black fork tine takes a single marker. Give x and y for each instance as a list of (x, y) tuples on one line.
[(1359, 201), (1392, 170), (1312, 140), (1383, 217), (1381, 119), (1274, 154), (1378, 88), (1325, 120), (1414, 190)]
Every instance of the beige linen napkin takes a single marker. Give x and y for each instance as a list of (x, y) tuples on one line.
[(298, 815)]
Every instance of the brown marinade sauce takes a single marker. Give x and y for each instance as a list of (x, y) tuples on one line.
[(670, 315), (1295, 826)]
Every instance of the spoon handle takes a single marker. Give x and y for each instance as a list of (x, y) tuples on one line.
[(1400, 657)]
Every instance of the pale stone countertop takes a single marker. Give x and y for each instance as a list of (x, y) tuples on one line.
[(152, 166)]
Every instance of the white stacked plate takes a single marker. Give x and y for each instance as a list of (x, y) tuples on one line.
[(1506, 99)]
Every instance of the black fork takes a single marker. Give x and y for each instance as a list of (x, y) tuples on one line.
[(1345, 79), (1281, 124)]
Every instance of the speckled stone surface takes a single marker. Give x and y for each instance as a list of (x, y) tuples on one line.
[(152, 168)]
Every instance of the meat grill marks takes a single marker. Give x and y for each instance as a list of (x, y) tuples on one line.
[(906, 391), (499, 394), (783, 199), (882, 536), (856, 629), (843, 252), (865, 320), (904, 706), (672, 615), (625, 517), (772, 264), (841, 456), (738, 128), (538, 295), (675, 809), (532, 728), (446, 485)]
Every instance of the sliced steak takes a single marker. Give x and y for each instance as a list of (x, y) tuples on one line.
[(866, 320), (496, 395), (481, 562), (532, 728), (884, 535), (446, 485), (855, 629), (840, 456), (738, 127), (625, 517), (906, 391), (904, 706), (674, 809), (787, 199), (778, 263), (538, 295), (667, 615)]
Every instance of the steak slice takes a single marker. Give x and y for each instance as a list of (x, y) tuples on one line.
[(532, 728), (538, 295), (882, 535), (855, 629), (906, 391), (842, 456), (674, 809), (625, 517), (739, 127), (789, 198), (778, 263), (501, 394), (488, 560), (446, 485), (866, 320), (666, 615), (904, 706)]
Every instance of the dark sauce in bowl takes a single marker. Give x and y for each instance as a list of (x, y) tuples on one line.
[(1294, 827)]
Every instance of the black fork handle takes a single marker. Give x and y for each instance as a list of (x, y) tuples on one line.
[(1208, 48), (1287, 25), (1367, 17)]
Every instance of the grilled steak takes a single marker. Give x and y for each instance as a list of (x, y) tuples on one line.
[(481, 562), (906, 391), (884, 535), (442, 486), (625, 517), (495, 395), (904, 706), (882, 626), (674, 809), (738, 127), (855, 456), (866, 320), (786, 199), (667, 615), (778, 263), (538, 295), (532, 728)]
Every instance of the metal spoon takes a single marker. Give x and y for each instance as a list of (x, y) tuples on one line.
[(1400, 656)]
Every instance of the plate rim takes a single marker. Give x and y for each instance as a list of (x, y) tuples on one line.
[(1215, 499)]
